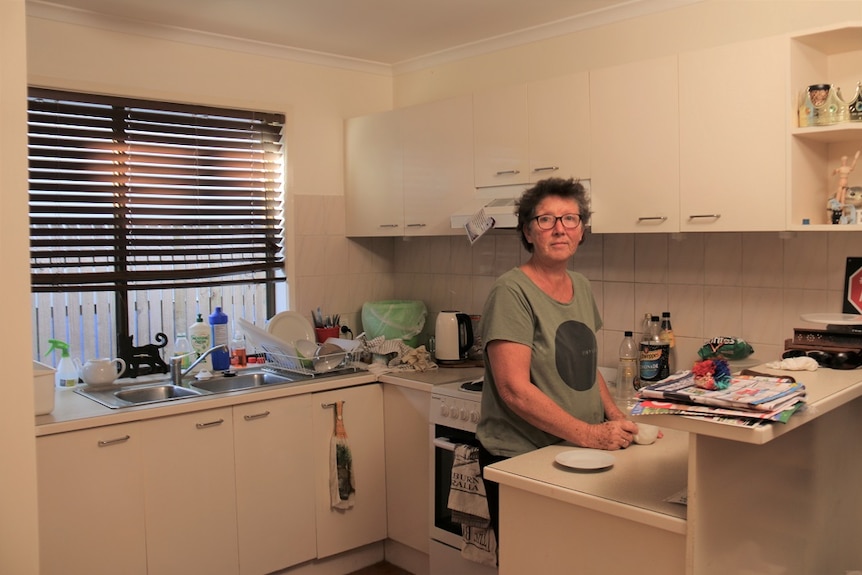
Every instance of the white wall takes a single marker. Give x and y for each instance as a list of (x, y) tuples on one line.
[(18, 518)]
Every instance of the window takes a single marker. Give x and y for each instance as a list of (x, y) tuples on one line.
[(143, 214)]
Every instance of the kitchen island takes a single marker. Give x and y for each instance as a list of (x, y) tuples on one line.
[(782, 498)]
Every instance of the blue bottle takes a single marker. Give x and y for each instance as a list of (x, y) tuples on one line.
[(219, 331)]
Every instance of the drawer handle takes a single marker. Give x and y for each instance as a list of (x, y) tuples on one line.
[(388, 225), (711, 216), (107, 442), (253, 416), (547, 169), (415, 225), (508, 172), (209, 424), (652, 218)]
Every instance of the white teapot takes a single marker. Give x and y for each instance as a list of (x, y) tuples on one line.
[(102, 371)]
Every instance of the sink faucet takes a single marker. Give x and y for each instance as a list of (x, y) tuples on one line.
[(177, 371)]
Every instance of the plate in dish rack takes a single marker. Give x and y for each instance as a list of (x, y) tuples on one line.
[(585, 459)]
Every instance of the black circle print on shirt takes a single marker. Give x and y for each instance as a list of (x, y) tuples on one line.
[(575, 345)]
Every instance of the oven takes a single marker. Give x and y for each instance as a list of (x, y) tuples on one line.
[(455, 410)]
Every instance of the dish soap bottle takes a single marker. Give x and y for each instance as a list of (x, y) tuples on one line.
[(219, 333), (66, 376), (199, 335)]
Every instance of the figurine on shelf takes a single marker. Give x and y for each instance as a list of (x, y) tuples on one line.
[(836, 204)]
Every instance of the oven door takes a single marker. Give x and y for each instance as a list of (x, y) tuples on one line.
[(444, 439)]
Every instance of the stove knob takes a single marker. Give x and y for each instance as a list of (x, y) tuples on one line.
[(474, 416), (444, 410), (453, 413), (463, 413)]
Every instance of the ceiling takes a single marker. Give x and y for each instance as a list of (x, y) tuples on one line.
[(385, 32)]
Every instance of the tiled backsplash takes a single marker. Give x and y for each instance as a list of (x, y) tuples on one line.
[(748, 285)]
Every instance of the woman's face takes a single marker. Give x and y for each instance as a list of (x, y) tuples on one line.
[(558, 243)]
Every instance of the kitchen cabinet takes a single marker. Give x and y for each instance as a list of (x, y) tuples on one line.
[(527, 132), (340, 530), (409, 169), (408, 472), (437, 141), (733, 137), (634, 127), (374, 194), (275, 510), (191, 511), (830, 56), (91, 502)]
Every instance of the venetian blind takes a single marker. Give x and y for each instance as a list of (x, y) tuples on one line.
[(134, 194)]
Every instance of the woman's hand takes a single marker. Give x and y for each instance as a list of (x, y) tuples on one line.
[(612, 435)]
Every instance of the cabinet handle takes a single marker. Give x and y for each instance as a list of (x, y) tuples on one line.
[(107, 442), (388, 226), (332, 404), (209, 424), (652, 218), (254, 416), (415, 225), (712, 216), (547, 169), (508, 172)]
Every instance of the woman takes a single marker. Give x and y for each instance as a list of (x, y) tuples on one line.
[(538, 325)]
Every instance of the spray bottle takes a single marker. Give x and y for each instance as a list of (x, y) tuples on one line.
[(67, 374)]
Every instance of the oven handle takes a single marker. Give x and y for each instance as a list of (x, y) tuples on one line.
[(444, 443)]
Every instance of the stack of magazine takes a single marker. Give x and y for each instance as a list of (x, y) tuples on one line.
[(748, 400)]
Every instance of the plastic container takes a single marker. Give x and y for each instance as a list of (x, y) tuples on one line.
[(653, 363), (238, 355), (66, 376), (627, 370), (43, 388), (219, 334), (394, 319), (183, 347)]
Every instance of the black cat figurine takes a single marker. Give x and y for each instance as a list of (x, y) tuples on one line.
[(144, 356)]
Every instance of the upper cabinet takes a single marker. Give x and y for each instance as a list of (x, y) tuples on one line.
[(832, 56), (527, 132), (732, 172), (409, 169), (374, 195), (635, 140)]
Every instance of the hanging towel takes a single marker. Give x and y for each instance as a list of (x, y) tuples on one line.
[(469, 507), (342, 483)]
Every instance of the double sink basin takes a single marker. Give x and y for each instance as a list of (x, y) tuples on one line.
[(165, 391)]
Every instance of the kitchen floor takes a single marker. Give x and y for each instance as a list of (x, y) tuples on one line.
[(383, 568)]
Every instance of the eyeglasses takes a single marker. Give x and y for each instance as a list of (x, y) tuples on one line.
[(548, 222)]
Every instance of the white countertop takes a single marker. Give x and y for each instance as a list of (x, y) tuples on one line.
[(634, 488), (73, 412)]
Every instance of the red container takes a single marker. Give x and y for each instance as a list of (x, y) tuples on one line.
[(324, 333)]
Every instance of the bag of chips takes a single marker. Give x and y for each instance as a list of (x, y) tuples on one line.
[(725, 348)]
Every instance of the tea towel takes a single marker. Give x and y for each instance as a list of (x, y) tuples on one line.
[(342, 482), (469, 507)]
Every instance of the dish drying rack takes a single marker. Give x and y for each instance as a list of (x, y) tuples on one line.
[(277, 359)]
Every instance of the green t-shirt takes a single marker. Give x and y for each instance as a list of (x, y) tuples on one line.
[(562, 337)]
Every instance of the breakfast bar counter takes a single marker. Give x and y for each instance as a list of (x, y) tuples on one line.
[(781, 498)]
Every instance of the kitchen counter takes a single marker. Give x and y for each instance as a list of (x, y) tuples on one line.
[(74, 412), (776, 499)]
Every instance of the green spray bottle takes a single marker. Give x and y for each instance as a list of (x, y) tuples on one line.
[(67, 373)]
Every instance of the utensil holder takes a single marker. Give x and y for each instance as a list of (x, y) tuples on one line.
[(324, 333)]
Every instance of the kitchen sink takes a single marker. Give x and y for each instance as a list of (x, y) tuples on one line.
[(137, 395), (243, 381), (143, 394), (153, 393)]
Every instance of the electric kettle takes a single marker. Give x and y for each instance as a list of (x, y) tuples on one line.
[(454, 335)]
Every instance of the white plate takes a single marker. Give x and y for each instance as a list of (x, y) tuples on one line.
[(259, 337), (585, 459), (833, 318), (290, 326)]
